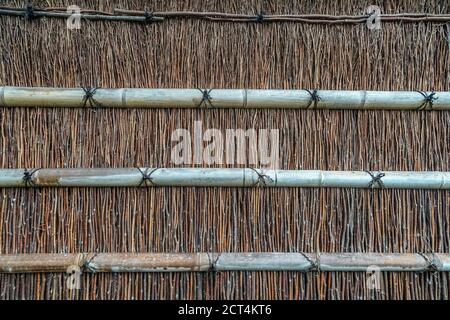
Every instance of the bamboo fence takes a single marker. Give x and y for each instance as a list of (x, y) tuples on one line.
[(191, 53), (220, 177), (223, 98), (215, 262)]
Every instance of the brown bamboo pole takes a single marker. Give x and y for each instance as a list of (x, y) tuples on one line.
[(146, 16), (305, 18), (204, 262), (19, 12), (12, 97), (61, 9)]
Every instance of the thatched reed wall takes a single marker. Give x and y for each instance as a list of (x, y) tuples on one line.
[(192, 53)]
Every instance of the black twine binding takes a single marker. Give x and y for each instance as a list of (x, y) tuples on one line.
[(261, 178), (28, 178), (428, 100), (29, 12), (148, 16), (89, 94), (432, 266), (376, 179), (212, 270), (87, 264), (147, 176), (260, 17), (315, 98), (206, 98), (314, 264)]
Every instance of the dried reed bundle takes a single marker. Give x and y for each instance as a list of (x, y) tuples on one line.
[(223, 98), (212, 262), (220, 177)]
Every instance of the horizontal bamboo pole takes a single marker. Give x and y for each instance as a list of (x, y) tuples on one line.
[(220, 177), (302, 18), (20, 12), (204, 262), (138, 16), (222, 98)]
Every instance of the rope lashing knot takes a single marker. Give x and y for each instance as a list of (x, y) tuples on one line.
[(376, 179), (432, 264), (147, 177), (315, 98), (314, 263), (261, 181), (260, 17), (29, 12), (88, 97), (212, 271), (148, 16), (213, 264), (87, 264), (206, 98), (428, 100), (28, 178)]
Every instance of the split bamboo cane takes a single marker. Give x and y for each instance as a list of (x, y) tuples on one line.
[(20, 12), (32, 12), (222, 98), (221, 177), (204, 262)]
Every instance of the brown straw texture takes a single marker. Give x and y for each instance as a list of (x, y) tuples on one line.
[(196, 53)]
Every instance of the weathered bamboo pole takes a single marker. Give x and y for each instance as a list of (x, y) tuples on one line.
[(303, 18), (147, 16), (20, 12), (204, 262), (221, 177), (222, 98)]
